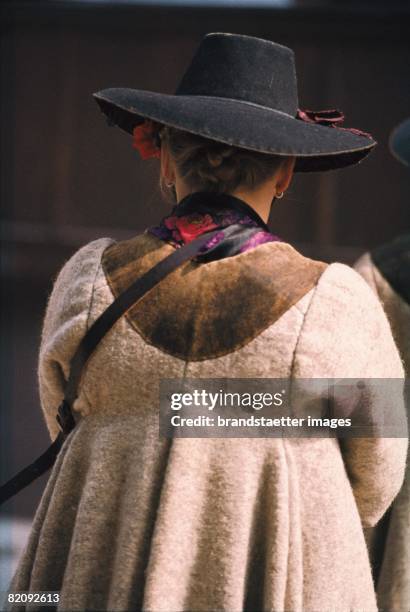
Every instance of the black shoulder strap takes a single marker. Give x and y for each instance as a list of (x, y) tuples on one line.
[(86, 347)]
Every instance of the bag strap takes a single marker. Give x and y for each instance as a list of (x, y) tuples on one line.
[(89, 342)]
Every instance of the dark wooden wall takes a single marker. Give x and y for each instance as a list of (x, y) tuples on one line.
[(66, 178)]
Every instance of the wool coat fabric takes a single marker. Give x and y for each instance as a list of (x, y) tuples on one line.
[(133, 521), (389, 541)]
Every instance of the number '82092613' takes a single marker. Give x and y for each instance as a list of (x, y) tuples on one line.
[(44, 597)]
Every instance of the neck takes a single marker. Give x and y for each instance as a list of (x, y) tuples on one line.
[(259, 199), (261, 202)]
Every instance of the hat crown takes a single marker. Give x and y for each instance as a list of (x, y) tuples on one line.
[(243, 68)]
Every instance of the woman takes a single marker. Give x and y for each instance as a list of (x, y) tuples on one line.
[(387, 271), (130, 520)]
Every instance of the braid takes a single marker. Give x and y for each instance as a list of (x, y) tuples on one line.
[(208, 165)]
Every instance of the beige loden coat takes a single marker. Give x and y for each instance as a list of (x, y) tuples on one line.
[(390, 544), (131, 521)]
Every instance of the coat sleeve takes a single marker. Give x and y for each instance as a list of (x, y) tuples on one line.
[(64, 324), (346, 334)]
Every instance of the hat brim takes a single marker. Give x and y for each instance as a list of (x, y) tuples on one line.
[(238, 123)]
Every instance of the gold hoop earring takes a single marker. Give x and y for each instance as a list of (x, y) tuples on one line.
[(280, 195)]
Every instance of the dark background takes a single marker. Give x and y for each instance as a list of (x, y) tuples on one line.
[(66, 178)]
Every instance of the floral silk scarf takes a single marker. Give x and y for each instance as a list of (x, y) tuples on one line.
[(241, 226)]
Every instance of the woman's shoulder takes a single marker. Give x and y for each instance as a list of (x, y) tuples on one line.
[(74, 282), (345, 330), (345, 283), (338, 287), (85, 258), (81, 266), (343, 298), (336, 283)]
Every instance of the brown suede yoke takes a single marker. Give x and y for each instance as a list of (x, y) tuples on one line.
[(206, 310)]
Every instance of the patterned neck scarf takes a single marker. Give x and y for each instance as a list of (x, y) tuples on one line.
[(241, 226)]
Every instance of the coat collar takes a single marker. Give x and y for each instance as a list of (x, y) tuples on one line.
[(203, 211), (229, 208)]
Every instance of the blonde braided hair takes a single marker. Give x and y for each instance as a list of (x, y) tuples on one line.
[(207, 165)]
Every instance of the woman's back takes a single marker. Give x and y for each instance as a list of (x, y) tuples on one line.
[(230, 524), (133, 520)]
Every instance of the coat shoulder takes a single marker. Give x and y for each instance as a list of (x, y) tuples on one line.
[(346, 332), (73, 284), (207, 310)]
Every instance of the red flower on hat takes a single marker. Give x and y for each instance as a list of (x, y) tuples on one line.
[(144, 136)]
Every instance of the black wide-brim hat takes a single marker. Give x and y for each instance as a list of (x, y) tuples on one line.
[(242, 91)]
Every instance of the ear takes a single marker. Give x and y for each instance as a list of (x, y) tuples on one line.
[(285, 173), (167, 165)]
